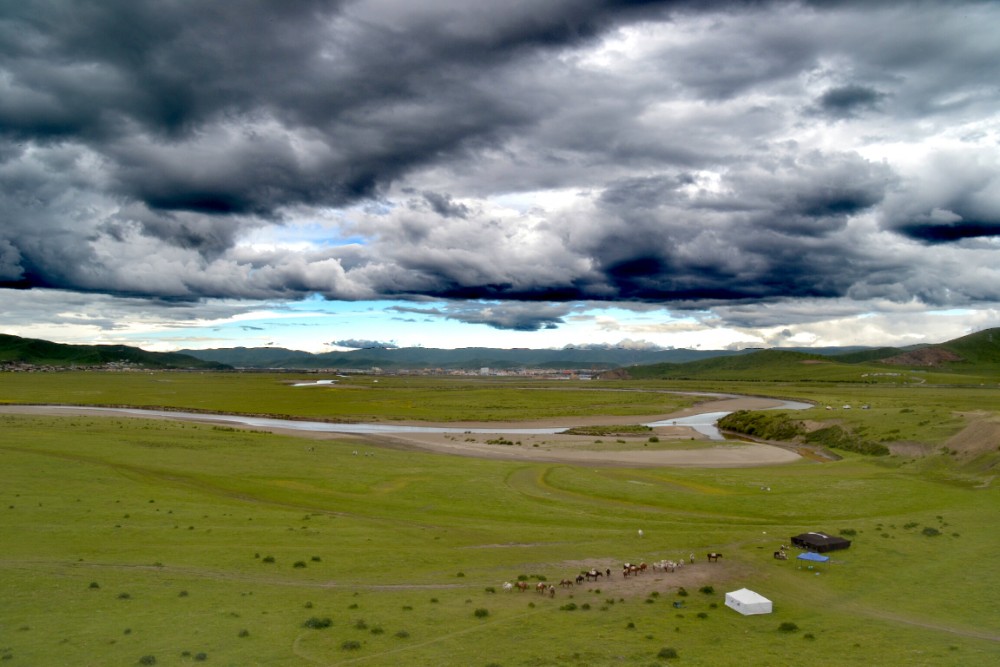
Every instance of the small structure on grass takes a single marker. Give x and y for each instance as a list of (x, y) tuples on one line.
[(813, 557), (748, 602), (820, 542)]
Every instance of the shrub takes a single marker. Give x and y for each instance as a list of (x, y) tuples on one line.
[(848, 532), (377, 630), (201, 657), (147, 660), (788, 626), (481, 613), (299, 563), (491, 589), (707, 590), (94, 584), (316, 559), (402, 634), (654, 439), (124, 596), (931, 532), (351, 645), (244, 633), (667, 653), (360, 624), (702, 614), (268, 559), (571, 606), (317, 623), (682, 592)]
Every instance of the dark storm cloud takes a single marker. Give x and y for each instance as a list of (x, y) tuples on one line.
[(500, 315), (719, 151), (356, 344), (847, 101)]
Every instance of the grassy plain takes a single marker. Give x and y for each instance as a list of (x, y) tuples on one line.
[(125, 538)]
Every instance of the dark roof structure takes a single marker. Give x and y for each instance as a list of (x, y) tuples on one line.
[(820, 542)]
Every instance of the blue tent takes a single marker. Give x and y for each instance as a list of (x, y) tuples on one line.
[(815, 557)]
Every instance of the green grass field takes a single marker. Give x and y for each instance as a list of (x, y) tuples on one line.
[(128, 541)]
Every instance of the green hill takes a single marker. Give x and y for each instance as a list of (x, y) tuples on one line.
[(949, 363), (14, 349)]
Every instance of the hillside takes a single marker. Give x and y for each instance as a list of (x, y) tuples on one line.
[(977, 354), (969, 354), (36, 352)]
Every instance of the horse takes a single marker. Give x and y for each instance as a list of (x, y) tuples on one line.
[(714, 557), (507, 587), (579, 579), (552, 591), (592, 574), (540, 587), (566, 583), (642, 567), (780, 555), (607, 573), (522, 586), (625, 572)]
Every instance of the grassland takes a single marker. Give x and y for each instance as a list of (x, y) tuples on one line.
[(125, 540)]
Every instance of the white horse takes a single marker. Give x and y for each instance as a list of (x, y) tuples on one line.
[(507, 587)]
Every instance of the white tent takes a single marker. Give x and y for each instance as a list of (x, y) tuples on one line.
[(747, 602)]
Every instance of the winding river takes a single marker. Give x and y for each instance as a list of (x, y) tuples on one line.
[(704, 423)]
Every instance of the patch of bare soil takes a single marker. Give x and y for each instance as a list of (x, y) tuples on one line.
[(691, 577), (981, 435), (928, 356)]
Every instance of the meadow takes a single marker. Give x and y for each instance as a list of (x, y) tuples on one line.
[(130, 542)]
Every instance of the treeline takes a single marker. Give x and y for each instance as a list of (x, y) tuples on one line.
[(778, 426)]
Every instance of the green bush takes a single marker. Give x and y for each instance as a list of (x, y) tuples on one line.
[(836, 437), (765, 425), (317, 623), (788, 626), (351, 645), (147, 660), (481, 613), (667, 653), (707, 590)]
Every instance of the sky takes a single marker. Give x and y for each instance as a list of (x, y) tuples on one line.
[(334, 174)]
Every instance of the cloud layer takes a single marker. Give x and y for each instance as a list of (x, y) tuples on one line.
[(511, 158)]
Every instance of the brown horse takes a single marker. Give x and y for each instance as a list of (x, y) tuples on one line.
[(566, 583), (714, 557), (540, 587), (521, 585)]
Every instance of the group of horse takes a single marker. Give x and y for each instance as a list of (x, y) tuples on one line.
[(780, 553), (593, 574)]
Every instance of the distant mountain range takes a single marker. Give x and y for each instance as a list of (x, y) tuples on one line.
[(975, 353), (466, 359)]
